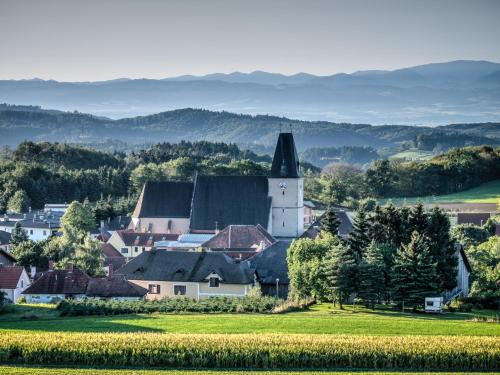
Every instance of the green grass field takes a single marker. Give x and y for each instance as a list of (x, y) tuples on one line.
[(15, 370), (319, 319), (485, 193), (413, 155)]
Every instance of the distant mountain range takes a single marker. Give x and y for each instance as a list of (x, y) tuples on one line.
[(432, 94), (18, 123)]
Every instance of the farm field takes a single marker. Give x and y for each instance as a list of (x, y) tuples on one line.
[(485, 193), (320, 319), (17, 370), (413, 155)]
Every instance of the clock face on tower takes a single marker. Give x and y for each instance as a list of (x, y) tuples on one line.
[(283, 185)]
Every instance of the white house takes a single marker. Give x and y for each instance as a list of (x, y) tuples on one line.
[(13, 281)]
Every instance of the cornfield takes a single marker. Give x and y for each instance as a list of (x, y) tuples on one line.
[(252, 351)]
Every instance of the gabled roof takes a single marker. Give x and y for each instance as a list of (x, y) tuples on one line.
[(240, 237), (5, 237), (115, 262), (285, 160), (270, 264), (8, 255), (114, 286), (9, 276), (224, 200), (110, 251), (131, 238), (118, 223), (476, 218), (168, 265), (344, 229), (168, 199), (60, 282)]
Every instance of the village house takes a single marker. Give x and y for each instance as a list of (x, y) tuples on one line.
[(72, 283), (463, 272), (308, 213), (6, 258), (131, 244), (345, 226), (188, 241), (190, 274), (240, 242), (13, 281)]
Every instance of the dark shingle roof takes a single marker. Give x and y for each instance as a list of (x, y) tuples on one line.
[(344, 229), (9, 277), (476, 218), (60, 282), (114, 286), (115, 262), (7, 255), (229, 200), (5, 237), (285, 160), (270, 264), (240, 237), (167, 265), (131, 238), (118, 223), (165, 199), (460, 248)]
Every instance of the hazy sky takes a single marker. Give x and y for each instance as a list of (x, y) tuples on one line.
[(97, 40)]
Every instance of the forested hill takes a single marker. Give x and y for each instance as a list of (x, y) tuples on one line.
[(18, 123)]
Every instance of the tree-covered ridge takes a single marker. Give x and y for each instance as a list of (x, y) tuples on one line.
[(32, 123)]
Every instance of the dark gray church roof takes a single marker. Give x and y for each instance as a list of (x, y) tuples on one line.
[(285, 161), (270, 264), (226, 200), (165, 199), (185, 266)]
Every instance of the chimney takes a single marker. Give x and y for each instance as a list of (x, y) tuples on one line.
[(51, 265), (32, 272), (102, 223), (29, 209), (70, 266), (110, 271)]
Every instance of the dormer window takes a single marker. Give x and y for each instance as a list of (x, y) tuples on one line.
[(213, 282)]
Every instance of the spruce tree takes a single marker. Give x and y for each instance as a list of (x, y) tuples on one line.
[(341, 272), (377, 230), (18, 234), (371, 275), (414, 273), (418, 219), (392, 225), (442, 249), (330, 223), (358, 238)]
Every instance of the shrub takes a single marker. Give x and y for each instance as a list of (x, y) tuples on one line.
[(93, 306), (252, 351)]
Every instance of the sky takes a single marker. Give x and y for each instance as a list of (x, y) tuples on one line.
[(91, 40)]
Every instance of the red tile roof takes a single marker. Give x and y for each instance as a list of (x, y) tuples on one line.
[(110, 251), (9, 277)]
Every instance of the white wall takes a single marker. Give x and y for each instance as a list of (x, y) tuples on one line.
[(47, 298), (287, 207), (35, 234)]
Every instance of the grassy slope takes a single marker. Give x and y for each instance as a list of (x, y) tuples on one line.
[(320, 319), (417, 155), (485, 193), (68, 371)]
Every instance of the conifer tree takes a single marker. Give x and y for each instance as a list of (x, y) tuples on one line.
[(418, 219), (330, 223), (341, 272), (371, 275), (442, 249), (377, 230), (358, 238), (414, 273), (18, 234)]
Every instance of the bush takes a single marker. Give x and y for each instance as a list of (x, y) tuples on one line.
[(91, 306), (252, 351), (485, 302)]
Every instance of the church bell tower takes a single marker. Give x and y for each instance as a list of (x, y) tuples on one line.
[(286, 188)]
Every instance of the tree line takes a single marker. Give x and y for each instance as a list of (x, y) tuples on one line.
[(399, 255)]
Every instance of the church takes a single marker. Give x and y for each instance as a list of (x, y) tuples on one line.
[(211, 203)]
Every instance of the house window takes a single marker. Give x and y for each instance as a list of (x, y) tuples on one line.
[(22, 283), (430, 303), (136, 249), (44, 232), (213, 282), (179, 290), (124, 250), (154, 289), (143, 249), (31, 231)]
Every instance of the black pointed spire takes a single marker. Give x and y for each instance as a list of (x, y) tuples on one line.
[(285, 161)]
